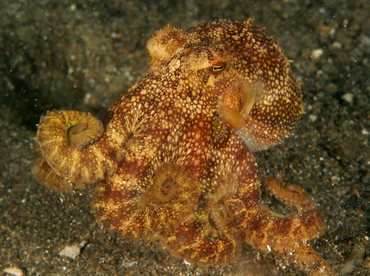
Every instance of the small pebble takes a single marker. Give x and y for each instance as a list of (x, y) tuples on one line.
[(315, 54), (348, 97), (14, 271), (313, 118)]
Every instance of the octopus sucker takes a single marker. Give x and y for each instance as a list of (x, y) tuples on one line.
[(173, 157)]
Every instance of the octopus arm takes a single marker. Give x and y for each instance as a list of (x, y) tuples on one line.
[(303, 256), (44, 174), (197, 242), (68, 141), (155, 200), (285, 235), (266, 229), (209, 237)]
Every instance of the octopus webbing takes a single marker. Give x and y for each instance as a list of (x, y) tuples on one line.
[(172, 158)]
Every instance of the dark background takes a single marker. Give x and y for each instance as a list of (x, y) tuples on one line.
[(82, 55)]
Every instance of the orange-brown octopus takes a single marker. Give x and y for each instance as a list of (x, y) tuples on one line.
[(173, 156)]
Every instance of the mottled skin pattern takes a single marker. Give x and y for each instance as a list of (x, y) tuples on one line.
[(173, 156)]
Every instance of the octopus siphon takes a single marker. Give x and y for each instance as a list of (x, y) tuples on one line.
[(172, 158)]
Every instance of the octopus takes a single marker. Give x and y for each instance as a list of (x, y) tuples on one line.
[(172, 159)]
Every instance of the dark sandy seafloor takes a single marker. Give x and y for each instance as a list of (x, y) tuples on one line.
[(81, 55)]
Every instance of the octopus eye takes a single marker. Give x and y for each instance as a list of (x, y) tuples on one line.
[(217, 68)]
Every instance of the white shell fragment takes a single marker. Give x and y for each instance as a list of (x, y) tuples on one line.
[(72, 251), (14, 271)]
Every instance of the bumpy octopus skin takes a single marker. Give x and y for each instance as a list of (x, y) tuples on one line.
[(172, 158)]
